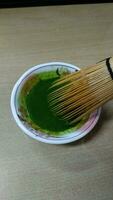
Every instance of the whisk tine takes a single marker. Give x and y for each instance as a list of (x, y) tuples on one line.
[(84, 100), (80, 93), (79, 108), (73, 102), (70, 77), (89, 110), (92, 108)]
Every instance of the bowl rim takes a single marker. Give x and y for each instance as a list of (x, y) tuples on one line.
[(46, 139)]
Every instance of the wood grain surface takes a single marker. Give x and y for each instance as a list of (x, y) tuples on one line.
[(30, 170)]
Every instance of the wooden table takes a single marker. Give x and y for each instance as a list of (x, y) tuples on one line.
[(30, 170)]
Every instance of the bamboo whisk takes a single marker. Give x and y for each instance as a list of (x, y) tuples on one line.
[(79, 93)]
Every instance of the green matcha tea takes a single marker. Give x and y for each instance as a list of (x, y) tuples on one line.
[(34, 106)]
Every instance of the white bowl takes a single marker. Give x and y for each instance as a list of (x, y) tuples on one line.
[(63, 139)]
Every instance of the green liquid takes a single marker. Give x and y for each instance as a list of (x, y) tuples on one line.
[(39, 114)]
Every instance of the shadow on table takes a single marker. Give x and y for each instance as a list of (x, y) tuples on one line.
[(78, 156), (105, 116)]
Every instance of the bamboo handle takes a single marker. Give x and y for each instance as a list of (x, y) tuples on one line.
[(109, 64)]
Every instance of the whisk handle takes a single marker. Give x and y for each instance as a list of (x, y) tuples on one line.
[(108, 64)]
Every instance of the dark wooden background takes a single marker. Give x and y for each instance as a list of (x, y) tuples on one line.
[(20, 3)]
